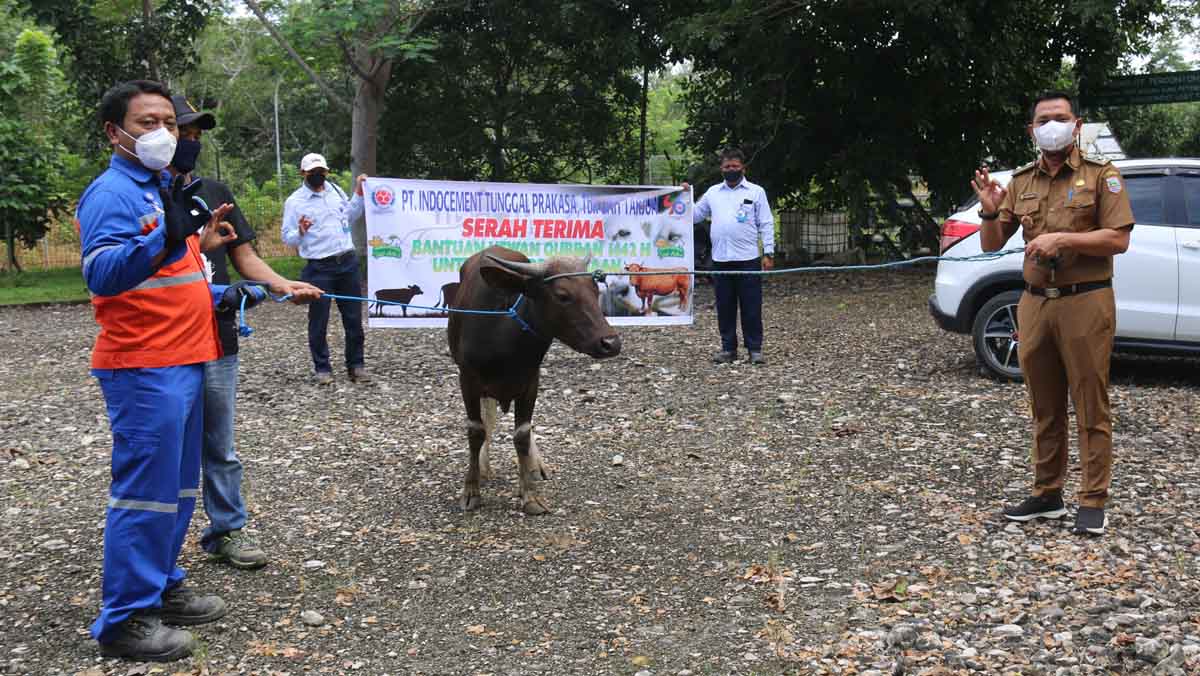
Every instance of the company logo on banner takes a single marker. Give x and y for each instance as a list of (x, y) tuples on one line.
[(383, 198), (421, 232)]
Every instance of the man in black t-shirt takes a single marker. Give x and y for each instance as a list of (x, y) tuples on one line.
[(222, 469)]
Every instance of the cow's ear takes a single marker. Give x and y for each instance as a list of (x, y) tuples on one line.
[(501, 277)]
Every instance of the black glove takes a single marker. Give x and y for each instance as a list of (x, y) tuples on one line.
[(183, 212), (231, 299)]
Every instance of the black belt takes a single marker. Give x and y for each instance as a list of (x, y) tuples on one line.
[(336, 258), (1059, 292)]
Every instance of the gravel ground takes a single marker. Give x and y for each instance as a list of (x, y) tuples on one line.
[(835, 511)]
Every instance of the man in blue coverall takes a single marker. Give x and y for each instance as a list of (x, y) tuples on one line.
[(141, 261)]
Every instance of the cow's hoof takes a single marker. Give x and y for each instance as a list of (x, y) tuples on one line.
[(471, 503), (535, 506)]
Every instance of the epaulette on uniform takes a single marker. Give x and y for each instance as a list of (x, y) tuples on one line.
[(1096, 160), (1021, 170)]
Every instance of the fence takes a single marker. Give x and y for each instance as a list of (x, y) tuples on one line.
[(60, 247), (808, 235)]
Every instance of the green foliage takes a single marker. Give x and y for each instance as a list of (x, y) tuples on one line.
[(113, 41), (525, 91), (863, 96), (30, 156), (27, 195)]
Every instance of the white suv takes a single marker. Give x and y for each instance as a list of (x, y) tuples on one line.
[(1156, 282)]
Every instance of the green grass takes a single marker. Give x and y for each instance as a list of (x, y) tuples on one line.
[(65, 285), (42, 286)]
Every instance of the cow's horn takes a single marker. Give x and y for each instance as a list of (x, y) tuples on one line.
[(531, 270)]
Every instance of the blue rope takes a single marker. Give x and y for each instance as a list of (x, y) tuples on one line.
[(599, 275)]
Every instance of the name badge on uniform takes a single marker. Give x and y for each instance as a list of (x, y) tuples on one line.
[(1029, 196)]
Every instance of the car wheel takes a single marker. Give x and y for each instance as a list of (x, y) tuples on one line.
[(995, 335)]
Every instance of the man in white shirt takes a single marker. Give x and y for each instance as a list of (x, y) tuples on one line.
[(316, 219), (740, 217)]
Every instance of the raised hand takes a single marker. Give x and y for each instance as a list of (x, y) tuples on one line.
[(991, 193), (183, 211)]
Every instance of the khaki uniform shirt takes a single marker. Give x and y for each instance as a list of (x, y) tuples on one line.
[(1086, 194)]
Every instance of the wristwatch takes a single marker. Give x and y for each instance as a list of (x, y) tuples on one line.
[(989, 217)]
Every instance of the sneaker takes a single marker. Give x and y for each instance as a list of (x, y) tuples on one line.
[(144, 638), (757, 358), (240, 551), (725, 357), (182, 606), (358, 374), (1037, 507), (1090, 521), (323, 378)]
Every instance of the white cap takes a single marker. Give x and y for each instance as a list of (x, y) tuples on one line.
[(312, 161)]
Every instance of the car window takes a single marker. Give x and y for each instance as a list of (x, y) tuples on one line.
[(1146, 197), (1191, 197)]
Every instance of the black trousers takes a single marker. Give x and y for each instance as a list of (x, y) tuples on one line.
[(739, 292)]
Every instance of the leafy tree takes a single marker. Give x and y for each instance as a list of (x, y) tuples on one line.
[(1159, 130), (862, 96), (371, 36), (30, 156), (519, 91), (110, 41)]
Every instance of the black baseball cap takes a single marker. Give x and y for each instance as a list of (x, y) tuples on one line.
[(186, 113)]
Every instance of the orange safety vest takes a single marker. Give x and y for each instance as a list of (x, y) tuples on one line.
[(167, 320)]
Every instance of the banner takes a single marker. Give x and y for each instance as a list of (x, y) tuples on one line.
[(419, 233)]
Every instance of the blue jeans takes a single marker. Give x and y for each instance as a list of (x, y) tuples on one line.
[(337, 277), (157, 421), (221, 467), (739, 292)]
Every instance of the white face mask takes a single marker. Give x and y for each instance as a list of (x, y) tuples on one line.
[(153, 149), (1054, 135)]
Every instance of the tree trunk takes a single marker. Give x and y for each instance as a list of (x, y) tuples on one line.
[(364, 135), (10, 237), (645, 103), (148, 25)]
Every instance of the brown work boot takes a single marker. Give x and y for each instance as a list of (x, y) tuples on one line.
[(182, 606), (358, 374), (144, 638), (323, 378), (725, 357)]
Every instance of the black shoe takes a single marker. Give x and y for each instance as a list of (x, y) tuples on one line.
[(757, 357), (1090, 521), (144, 638), (725, 357), (1037, 507), (185, 607)]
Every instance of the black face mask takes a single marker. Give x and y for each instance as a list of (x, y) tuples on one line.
[(186, 152), (732, 176), (315, 180)]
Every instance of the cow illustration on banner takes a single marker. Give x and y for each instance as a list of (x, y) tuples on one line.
[(419, 233)]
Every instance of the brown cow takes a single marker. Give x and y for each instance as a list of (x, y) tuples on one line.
[(649, 286), (449, 292), (499, 358), (404, 295)]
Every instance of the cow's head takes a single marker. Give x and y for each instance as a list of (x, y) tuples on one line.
[(415, 289), (633, 267), (567, 308)]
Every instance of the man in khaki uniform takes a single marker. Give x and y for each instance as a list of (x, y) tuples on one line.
[(1074, 215)]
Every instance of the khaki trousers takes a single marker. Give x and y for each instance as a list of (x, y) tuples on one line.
[(1065, 348)]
